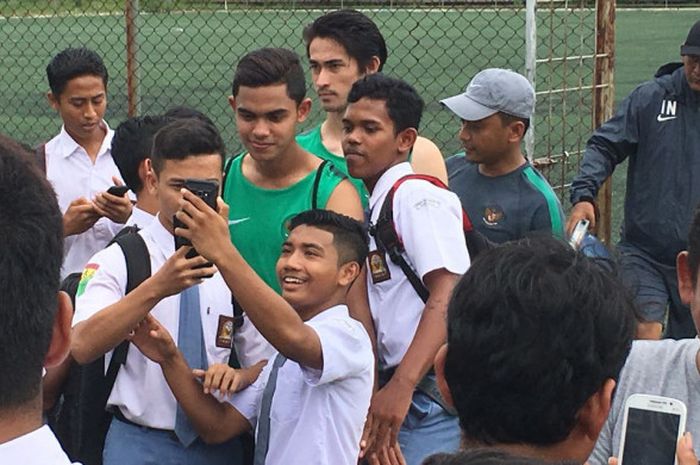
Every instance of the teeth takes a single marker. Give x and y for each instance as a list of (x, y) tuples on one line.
[(292, 280)]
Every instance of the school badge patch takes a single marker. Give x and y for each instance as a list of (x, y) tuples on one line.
[(224, 332), (378, 267), (88, 274)]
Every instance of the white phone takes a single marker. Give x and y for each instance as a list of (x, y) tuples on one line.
[(651, 429)]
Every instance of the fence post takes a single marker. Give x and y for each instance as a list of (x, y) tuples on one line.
[(604, 97), (132, 62), (530, 68)]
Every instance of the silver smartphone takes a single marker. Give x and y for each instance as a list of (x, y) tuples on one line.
[(651, 429)]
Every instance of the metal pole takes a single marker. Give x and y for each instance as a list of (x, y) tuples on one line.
[(530, 67), (132, 63), (604, 97)]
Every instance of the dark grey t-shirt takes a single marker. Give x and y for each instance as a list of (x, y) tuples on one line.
[(507, 207)]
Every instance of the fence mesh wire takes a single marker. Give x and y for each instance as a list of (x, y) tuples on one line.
[(187, 50)]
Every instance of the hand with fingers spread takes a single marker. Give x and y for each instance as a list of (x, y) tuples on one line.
[(205, 228), (179, 272), (117, 209), (227, 380), (80, 216), (153, 340), (387, 411)]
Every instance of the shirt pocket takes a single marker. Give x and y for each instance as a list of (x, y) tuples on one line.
[(287, 399)]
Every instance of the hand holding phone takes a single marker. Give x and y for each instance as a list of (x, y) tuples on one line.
[(205, 190), (652, 427), (118, 191)]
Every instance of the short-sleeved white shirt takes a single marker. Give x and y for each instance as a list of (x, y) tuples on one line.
[(317, 416), (39, 447), (141, 391), (428, 220), (73, 175)]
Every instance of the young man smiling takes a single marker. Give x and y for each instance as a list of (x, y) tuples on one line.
[(380, 127), (77, 161), (343, 46)]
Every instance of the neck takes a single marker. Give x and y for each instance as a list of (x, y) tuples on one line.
[(559, 452), (332, 132), (370, 183), (20, 421), (282, 171), (91, 144), (307, 313), (147, 202), (507, 164)]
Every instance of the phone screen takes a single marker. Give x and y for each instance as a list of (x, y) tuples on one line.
[(651, 438)]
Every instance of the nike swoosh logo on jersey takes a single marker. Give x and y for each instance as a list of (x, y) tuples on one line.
[(661, 118), (240, 220)]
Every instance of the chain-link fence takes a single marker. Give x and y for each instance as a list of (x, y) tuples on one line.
[(172, 52)]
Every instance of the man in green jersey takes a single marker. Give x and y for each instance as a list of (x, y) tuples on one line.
[(275, 178), (343, 46)]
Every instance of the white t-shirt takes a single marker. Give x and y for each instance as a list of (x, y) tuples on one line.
[(317, 416), (428, 220), (40, 447), (73, 175), (141, 391)]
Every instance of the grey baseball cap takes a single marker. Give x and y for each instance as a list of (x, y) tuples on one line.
[(493, 90)]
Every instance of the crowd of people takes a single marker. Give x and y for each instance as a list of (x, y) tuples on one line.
[(343, 295)]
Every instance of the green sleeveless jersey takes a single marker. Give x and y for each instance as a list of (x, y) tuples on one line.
[(258, 217), (311, 142)]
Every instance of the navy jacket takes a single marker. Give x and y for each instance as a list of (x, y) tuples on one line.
[(658, 127)]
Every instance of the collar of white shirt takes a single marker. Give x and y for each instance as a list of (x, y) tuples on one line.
[(387, 180), (40, 447), (332, 312), (67, 146), (161, 236), (140, 218)]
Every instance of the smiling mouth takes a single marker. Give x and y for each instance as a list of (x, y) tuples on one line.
[(292, 281)]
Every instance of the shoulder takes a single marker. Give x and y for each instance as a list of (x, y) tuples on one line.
[(649, 363), (308, 135), (538, 184), (427, 159), (417, 191)]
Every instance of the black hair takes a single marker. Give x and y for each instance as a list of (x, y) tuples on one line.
[(403, 104), (132, 143), (31, 228), (507, 119), (358, 35), (72, 63), (534, 330), (487, 456), (183, 112), (349, 235), (269, 66), (183, 138), (694, 246)]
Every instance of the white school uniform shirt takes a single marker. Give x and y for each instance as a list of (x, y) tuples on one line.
[(428, 220), (139, 218), (73, 175), (141, 391), (39, 447), (317, 416)]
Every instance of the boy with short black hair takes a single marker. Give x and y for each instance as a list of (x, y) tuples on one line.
[(380, 127), (78, 161), (309, 404), (185, 294), (131, 150)]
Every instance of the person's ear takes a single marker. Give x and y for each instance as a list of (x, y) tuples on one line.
[(373, 65), (516, 132), (53, 100), (151, 177), (232, 102), (59, 347), (348, 273), (594, 412), (686, 288), (143, 171), (303, 110), (440, 379), (406, 139)]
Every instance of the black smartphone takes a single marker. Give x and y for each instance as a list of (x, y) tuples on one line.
[(119, 191), (205, 190)]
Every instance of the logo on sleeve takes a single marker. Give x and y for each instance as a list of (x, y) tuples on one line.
[(668, 111), (88, 274)]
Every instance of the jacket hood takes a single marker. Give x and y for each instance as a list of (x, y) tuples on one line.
[(671, 78)]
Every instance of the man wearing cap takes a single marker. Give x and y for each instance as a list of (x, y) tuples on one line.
[(502, 193), (658, 127)]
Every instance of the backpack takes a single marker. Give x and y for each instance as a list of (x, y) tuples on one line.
[(81, 421), (387, 239)]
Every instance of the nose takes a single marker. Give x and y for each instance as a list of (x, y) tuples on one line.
[(261, 129), (292, 261), (351, 137), (322, 78), (89, 112), (464, 134)]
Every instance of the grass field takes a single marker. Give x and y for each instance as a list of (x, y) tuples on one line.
[(187, 58)]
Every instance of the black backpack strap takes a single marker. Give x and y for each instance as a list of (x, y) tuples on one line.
[(233, 361), (227, 168), (138, 269), (40, 157), (317, 181), (388, 241)]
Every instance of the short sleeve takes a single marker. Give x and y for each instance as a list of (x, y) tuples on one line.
[(347, 351), (429, 223), (102, 283)]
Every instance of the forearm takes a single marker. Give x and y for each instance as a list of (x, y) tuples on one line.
[(103, 331), (276, 320), (215, 422)]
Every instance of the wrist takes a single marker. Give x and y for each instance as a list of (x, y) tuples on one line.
[(171, 358)]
